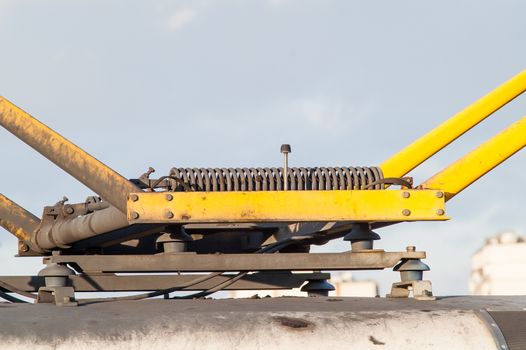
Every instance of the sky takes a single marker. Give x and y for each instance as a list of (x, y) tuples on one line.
[(224, 83)]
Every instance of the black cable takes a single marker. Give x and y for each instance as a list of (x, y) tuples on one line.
[(10, 298), (14, 289)]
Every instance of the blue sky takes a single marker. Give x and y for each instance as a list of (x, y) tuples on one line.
[(225, 83)]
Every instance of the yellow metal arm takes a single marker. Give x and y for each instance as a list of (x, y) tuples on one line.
[(286, 206), (426, 146), (91, 172), (475, 164)]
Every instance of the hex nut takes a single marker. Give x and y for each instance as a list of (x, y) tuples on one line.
[(23, 247), (410, 248), (406, 212), (134, 197)]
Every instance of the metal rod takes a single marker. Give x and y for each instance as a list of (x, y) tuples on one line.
[(285, 149), (189, 262), (468, 169), (429, 144), (15, 219), (85, 168), (73, 230)]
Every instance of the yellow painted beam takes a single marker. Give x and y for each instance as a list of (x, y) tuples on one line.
[(456, 177), (286, 206), (85, 168), (416, 153)]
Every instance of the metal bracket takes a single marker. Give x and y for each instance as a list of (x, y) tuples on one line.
[(60, 296), (421, 290)]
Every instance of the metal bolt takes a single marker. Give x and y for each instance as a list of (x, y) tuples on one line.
[(134, 215), (406, 194), (134, 197), (440, 212), (285, 149), (24, 247), (439, 194), (406, 212), (69, 210), (410, 248), (168, 197), (169, 215)]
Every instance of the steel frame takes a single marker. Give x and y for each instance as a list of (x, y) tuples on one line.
[(128, 283), (190, 262)]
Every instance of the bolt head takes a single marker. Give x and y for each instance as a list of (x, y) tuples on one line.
[(168, 197), (410, 248), (135, 215), (134, 197), (285, 148), (169, 215), (70, 210), (23, 247), (440, 212), (406, 212), (439, 194), (406, 194)]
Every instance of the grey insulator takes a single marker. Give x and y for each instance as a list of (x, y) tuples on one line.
[(56, 275), (175, 241), (315, 288), (361, 237), (411, 269)]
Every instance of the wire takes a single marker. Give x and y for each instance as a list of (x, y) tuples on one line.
[(14, 289), (10, 298)]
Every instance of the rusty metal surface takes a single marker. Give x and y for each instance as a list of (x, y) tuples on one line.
[(65, 232), (16, 219), (85, 168), (191, 262), (364, 323), (127, 283)]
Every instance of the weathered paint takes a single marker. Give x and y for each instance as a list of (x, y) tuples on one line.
[(85, 168), (273, 323), (16, 219), (286, 206)]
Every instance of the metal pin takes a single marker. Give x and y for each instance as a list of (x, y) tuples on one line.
[(285, 149)]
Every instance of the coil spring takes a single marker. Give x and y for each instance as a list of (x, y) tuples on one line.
[(271, 179)]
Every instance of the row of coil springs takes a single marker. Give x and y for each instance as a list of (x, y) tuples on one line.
[(272, 179)]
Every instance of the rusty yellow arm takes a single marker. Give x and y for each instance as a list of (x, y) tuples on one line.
[(91, 172), (18, 221), (410, 157), (475, 164)]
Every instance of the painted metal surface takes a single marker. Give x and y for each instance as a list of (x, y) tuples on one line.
[(290, 206), (85, 168), (273, 323), (15, 219), (413, 155), (191, 262), (462, 173)]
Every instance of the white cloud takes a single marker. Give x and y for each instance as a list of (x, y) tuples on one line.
[(181, 18)]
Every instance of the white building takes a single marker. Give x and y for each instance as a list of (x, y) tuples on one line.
[(499, 267), (343, 283)]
